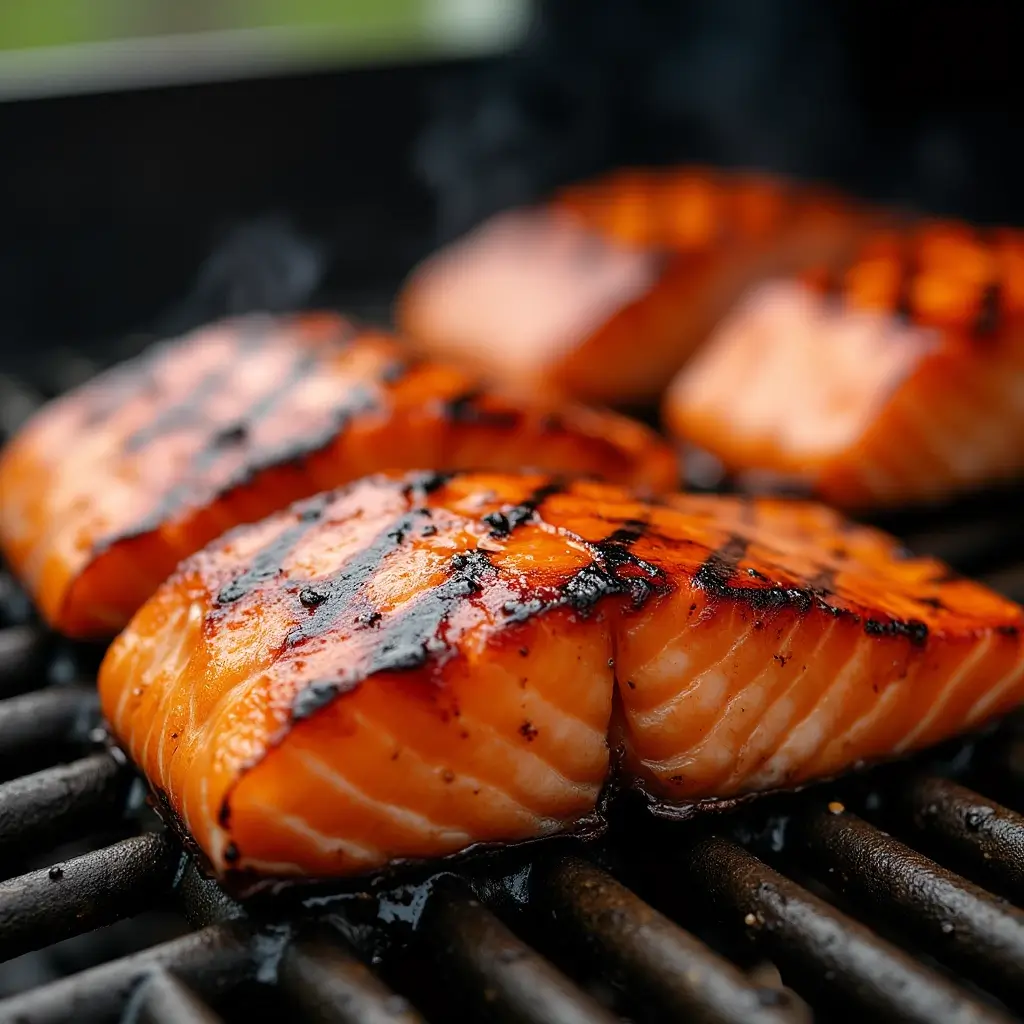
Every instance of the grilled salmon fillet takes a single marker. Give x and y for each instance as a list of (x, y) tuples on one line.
[(413, 665), (897, 381), (603, 293), (108, 488)]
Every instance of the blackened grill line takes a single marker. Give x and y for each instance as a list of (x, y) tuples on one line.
[(465, 408), (358, 399), (180, 415), (505, 521), (409, 639), (987, 321), (605, 575), (415, 635), (716, 574), (205, 457), (267, 562), (251, 334), (908, 271)]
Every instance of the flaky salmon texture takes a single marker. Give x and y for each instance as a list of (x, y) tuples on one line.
[(898, 380), (413, 665), (108, 488)]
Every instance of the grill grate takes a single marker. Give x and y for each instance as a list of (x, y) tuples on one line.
[(793, 909)]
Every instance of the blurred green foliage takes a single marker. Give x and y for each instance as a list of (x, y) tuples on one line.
[(26, 24)]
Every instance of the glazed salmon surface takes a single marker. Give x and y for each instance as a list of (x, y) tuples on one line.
[(413, 665), (900, 380), (604, 292), (108, 488)]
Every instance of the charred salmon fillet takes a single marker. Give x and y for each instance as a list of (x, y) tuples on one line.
[(603, 293), (108, 488), (899, 380), (413, 665)]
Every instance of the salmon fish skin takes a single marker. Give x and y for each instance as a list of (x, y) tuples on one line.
[(414, 665), (110, 486)]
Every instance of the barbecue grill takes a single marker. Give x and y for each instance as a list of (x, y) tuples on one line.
[(895, 893)]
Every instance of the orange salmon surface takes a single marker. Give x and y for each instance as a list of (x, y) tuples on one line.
[(109, 487), (899, 380), (413, 665), (603, 293)]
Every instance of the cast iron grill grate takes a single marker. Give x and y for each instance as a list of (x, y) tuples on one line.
[(897, 893)]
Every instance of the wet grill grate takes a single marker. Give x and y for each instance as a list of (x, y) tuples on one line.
[(895, 894)]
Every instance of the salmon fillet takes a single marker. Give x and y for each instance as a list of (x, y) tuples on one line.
[(108, 488), (898, 381), (604, 293), (413, 665)]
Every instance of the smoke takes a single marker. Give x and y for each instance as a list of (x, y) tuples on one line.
[(736, 82), (262, 265), (832, 92)]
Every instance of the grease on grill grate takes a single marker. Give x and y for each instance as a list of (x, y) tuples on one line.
[(799, 908)]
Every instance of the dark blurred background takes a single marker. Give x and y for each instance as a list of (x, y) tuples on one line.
[(156, 174)]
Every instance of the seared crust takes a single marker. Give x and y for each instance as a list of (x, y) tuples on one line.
[(108, 488), (479, 624)]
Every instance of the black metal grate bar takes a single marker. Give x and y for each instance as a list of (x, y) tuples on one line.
[(958, 921), (984, 837), (163, 999), (38, 811), (331, 986), (44, 722), (675, 972), (22, 654), (85, 892), (826, 955), (211, 962), (505, 978)]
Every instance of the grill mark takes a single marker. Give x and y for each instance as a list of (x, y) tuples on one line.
[(420, 484), (913, 629), (407, 640), (908, 271), (614, 571), (395, 371), (989, 310), (718, 571), (249, 335), (358, 399), (217, 442), (182, 414), (465, 409), (504, 522), (418, 634), (823, 581), (266, 564), (344, 587), (720, 566)]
